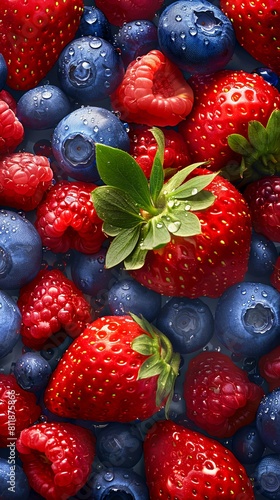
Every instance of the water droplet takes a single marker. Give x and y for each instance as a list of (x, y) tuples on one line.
[(178, 18), (194, 191), (193, 31), (173, 227)]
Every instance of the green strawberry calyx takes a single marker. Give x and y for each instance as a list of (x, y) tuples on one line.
[(161, 360), (140, 214), (260, 152)]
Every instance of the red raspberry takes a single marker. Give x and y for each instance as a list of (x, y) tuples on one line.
[(269, 366), (143, 147), (18, 409), (153, 92), (11, 129), (56, 458), (49, 303), (24, 177), (275, 275), (66, 218), (9, 99), (219, 396)]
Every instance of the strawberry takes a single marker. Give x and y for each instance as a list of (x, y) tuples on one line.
[(269, 367), (153, 92), (56, 458), (33, 35), (49, 303), (219, 396), (11, 129), (24, 178), (67, 219), (225, 102), (143, 147), (183, 464), (119, 369), (257, 28), (18, 409), (177, 238), (122, 11)]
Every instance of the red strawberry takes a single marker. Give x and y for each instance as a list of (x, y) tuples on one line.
[(143, 147), (67, 219), (177, 238), (219, 396), (49, 303), (56, 458), (257, 28), (269, 366), (24, 178), (153, 92), (18, 409), (33, 35), (119, 369), (182, 464), (263, 199), (225, 102), (11, 129), (122, 11)]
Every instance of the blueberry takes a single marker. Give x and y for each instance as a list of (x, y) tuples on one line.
[(269, 76), (268, 420), (43, 107), (263, 255), (119, 445), (247, 445), (94, 22), (20, 250), (127, 295), (247, 318), (89, 69), (3, 72), (13, 481), (52, 354), (32, 372), (10, 323), (119, 483), (74, 138), (135, 39), (188, 323), (196, 36), (266, 477)]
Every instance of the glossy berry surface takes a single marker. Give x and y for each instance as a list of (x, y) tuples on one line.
[(267, 420), (13, 481), (118, 482), (10, 323), (136, 38), (11, 129), (119, 445), (94, 22), (266, 477), (32, 372), (263, 255), (247, 445), (121, 12)]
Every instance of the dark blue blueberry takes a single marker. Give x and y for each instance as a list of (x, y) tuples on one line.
[(43, 107), (93, 22), (20, 250), (119, 445), (74, 139), (196, 36), (188, 323), (127, 295), (135, 39), (247, 318), (32, 372), (3, 72), (269, 76), (263, 255), (266, 477), (10, 323), (90, 69), (247, 445), (268, 420), (119, 483), (52, 354), (13, 481)]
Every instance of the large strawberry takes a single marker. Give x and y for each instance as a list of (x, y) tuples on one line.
[(33, 35), (257, 28), (119, 369), (176, 238), (185, 465)]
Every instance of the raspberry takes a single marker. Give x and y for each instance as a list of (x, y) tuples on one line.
[(11, 129), (269, 366), (275, 275), (219, 396), (66, 218), (49, 303), (24, 178), (9, 99), (56, 458), (18, 409), (153, 92)]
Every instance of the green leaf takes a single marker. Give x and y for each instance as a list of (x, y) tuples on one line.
[(145, 345), (159, 137), (273, 130), (151, 367), (122, 246), (115, 207), (157, 173), (239, 144), (177, 179), (201, 201), (193, 186), (111, 230), (182, 222), (258, 136), (155, 234), (146, 326), (119, 169), (136, 259)]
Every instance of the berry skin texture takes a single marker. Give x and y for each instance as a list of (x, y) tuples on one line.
[(208, 470), (123, 11), (49, 303), (66, 218), (219, 397), (119, 482), (269, 367), (153, 92), (25, 408), (24, 178), (21, 489), (32, 371), (266, 477), (10, 321), (11, 129), (275, 276), (268, 420), (57, 458)]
